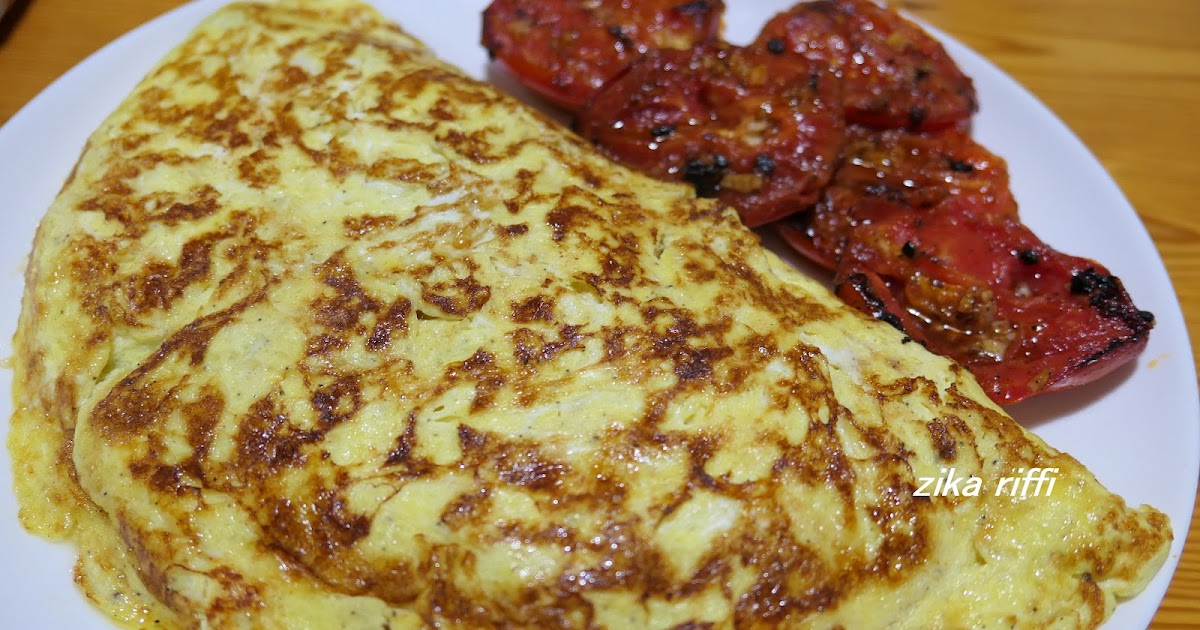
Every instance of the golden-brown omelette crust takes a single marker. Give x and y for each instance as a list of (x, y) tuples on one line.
[(321, 333)]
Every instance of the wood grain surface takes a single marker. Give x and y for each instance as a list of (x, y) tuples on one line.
[(1123, 74)]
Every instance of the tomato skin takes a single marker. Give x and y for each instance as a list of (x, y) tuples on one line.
[(567, 49), (895, 75), (758, 130)]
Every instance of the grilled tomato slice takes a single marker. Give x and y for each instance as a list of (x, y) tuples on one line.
[(879, 170), (758, 129), (895, 75), (568, 49), (919, 240)]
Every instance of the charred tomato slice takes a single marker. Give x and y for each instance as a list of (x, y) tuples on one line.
[(879, 170), (948, 261), (759, 130), (895, 75), (568, 49), (985, 291)]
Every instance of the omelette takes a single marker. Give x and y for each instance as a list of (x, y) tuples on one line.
[(321, 333)]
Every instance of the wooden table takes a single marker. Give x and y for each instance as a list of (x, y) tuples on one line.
[(1124, 74)]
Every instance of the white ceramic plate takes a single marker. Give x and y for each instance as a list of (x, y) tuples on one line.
[(1137, 430)]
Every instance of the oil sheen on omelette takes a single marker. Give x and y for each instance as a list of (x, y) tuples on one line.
[(321, 333)]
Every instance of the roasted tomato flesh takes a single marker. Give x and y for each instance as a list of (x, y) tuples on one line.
[(880, 170), (894, 74), (756, 129), (952, 266), (568, 49)]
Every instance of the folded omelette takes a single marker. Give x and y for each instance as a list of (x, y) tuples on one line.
[(321, 333)]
